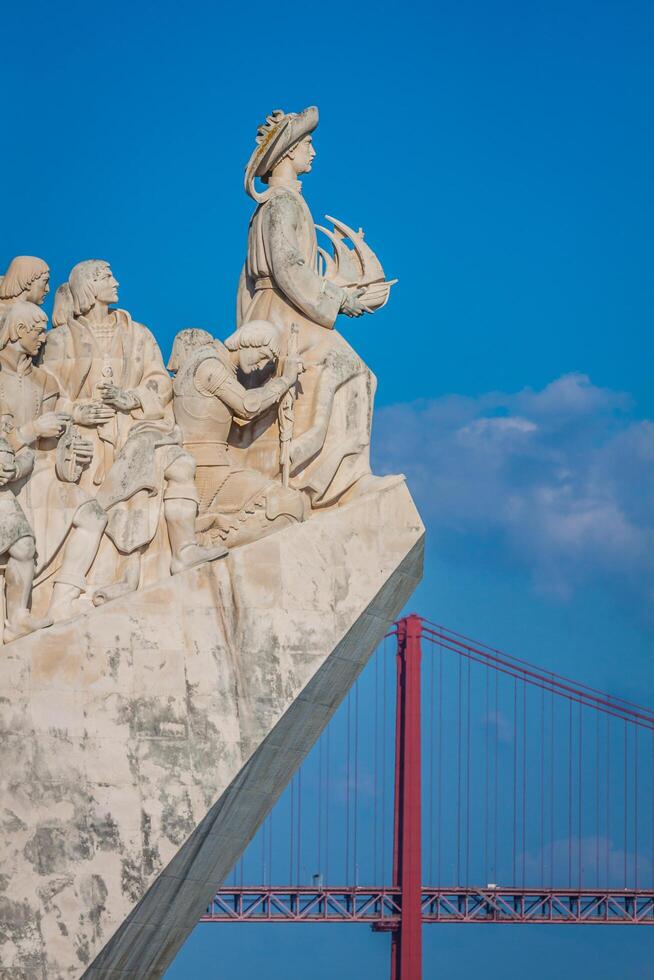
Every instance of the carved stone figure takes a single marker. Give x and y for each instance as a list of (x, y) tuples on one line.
[(66, 521), (118, 481), (237, 504), (27, 278), (282, 282), (113, 374), (17, 548)]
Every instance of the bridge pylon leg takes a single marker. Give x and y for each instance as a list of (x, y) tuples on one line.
[(406, 942)]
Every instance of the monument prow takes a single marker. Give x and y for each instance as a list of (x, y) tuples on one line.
[(144, 742)]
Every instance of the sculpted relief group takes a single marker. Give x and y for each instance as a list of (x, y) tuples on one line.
[(117, 470)]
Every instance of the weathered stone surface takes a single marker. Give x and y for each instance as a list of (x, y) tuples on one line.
[(142, 743)]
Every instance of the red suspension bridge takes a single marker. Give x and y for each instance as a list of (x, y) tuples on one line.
[(516, 796)]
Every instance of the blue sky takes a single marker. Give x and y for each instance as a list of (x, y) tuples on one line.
[(500, 158)]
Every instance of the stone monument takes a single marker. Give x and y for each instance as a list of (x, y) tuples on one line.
[(196, 564)]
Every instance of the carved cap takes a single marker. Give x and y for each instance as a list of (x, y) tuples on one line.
[(279, 134)]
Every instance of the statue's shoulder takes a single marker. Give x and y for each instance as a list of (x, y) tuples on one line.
[(45, 380), (57, 341), (214, 356), (125, 319), (282, 199), (208, 366)]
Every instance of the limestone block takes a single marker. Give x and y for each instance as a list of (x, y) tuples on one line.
[(144, 742)]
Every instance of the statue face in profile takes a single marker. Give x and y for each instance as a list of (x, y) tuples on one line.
[(90, 282), (38, 289), (254, 349), (302, 155), (32, 336), (25, 325), (106, 285), (253, 359)]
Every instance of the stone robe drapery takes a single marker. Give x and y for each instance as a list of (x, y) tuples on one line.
[(283, 249), (49, 504), (77, 360), (281, 283)]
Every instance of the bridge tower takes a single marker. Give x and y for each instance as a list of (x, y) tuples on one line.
[(406, 941)]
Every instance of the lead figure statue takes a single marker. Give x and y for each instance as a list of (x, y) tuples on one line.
[(237, 504), (288, 280), (112, 371)]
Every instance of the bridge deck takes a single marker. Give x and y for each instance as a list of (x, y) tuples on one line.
[(381, 907)]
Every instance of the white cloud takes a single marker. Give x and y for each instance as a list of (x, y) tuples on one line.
[(557, 482)]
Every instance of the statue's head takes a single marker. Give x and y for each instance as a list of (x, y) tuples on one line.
[(301, 155), (283, 136), (27, 278), (23, 324), (185, 343), (255, 345), (92, 281)]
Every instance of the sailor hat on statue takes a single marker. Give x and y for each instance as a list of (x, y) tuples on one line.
[(279, 134)]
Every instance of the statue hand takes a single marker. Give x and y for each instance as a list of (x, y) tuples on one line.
[(50, 424), (83, 449), (293, 367), (352, 305), (92, 413), (8, 472), (123, 400)]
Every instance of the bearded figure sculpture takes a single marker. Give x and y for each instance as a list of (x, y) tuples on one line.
[(288, 280)]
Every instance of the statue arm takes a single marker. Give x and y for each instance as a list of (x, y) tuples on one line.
[(23, 455), (214, 378), (155, 390), (57, 362), (24, 463), (27, 434), (316, 297)]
